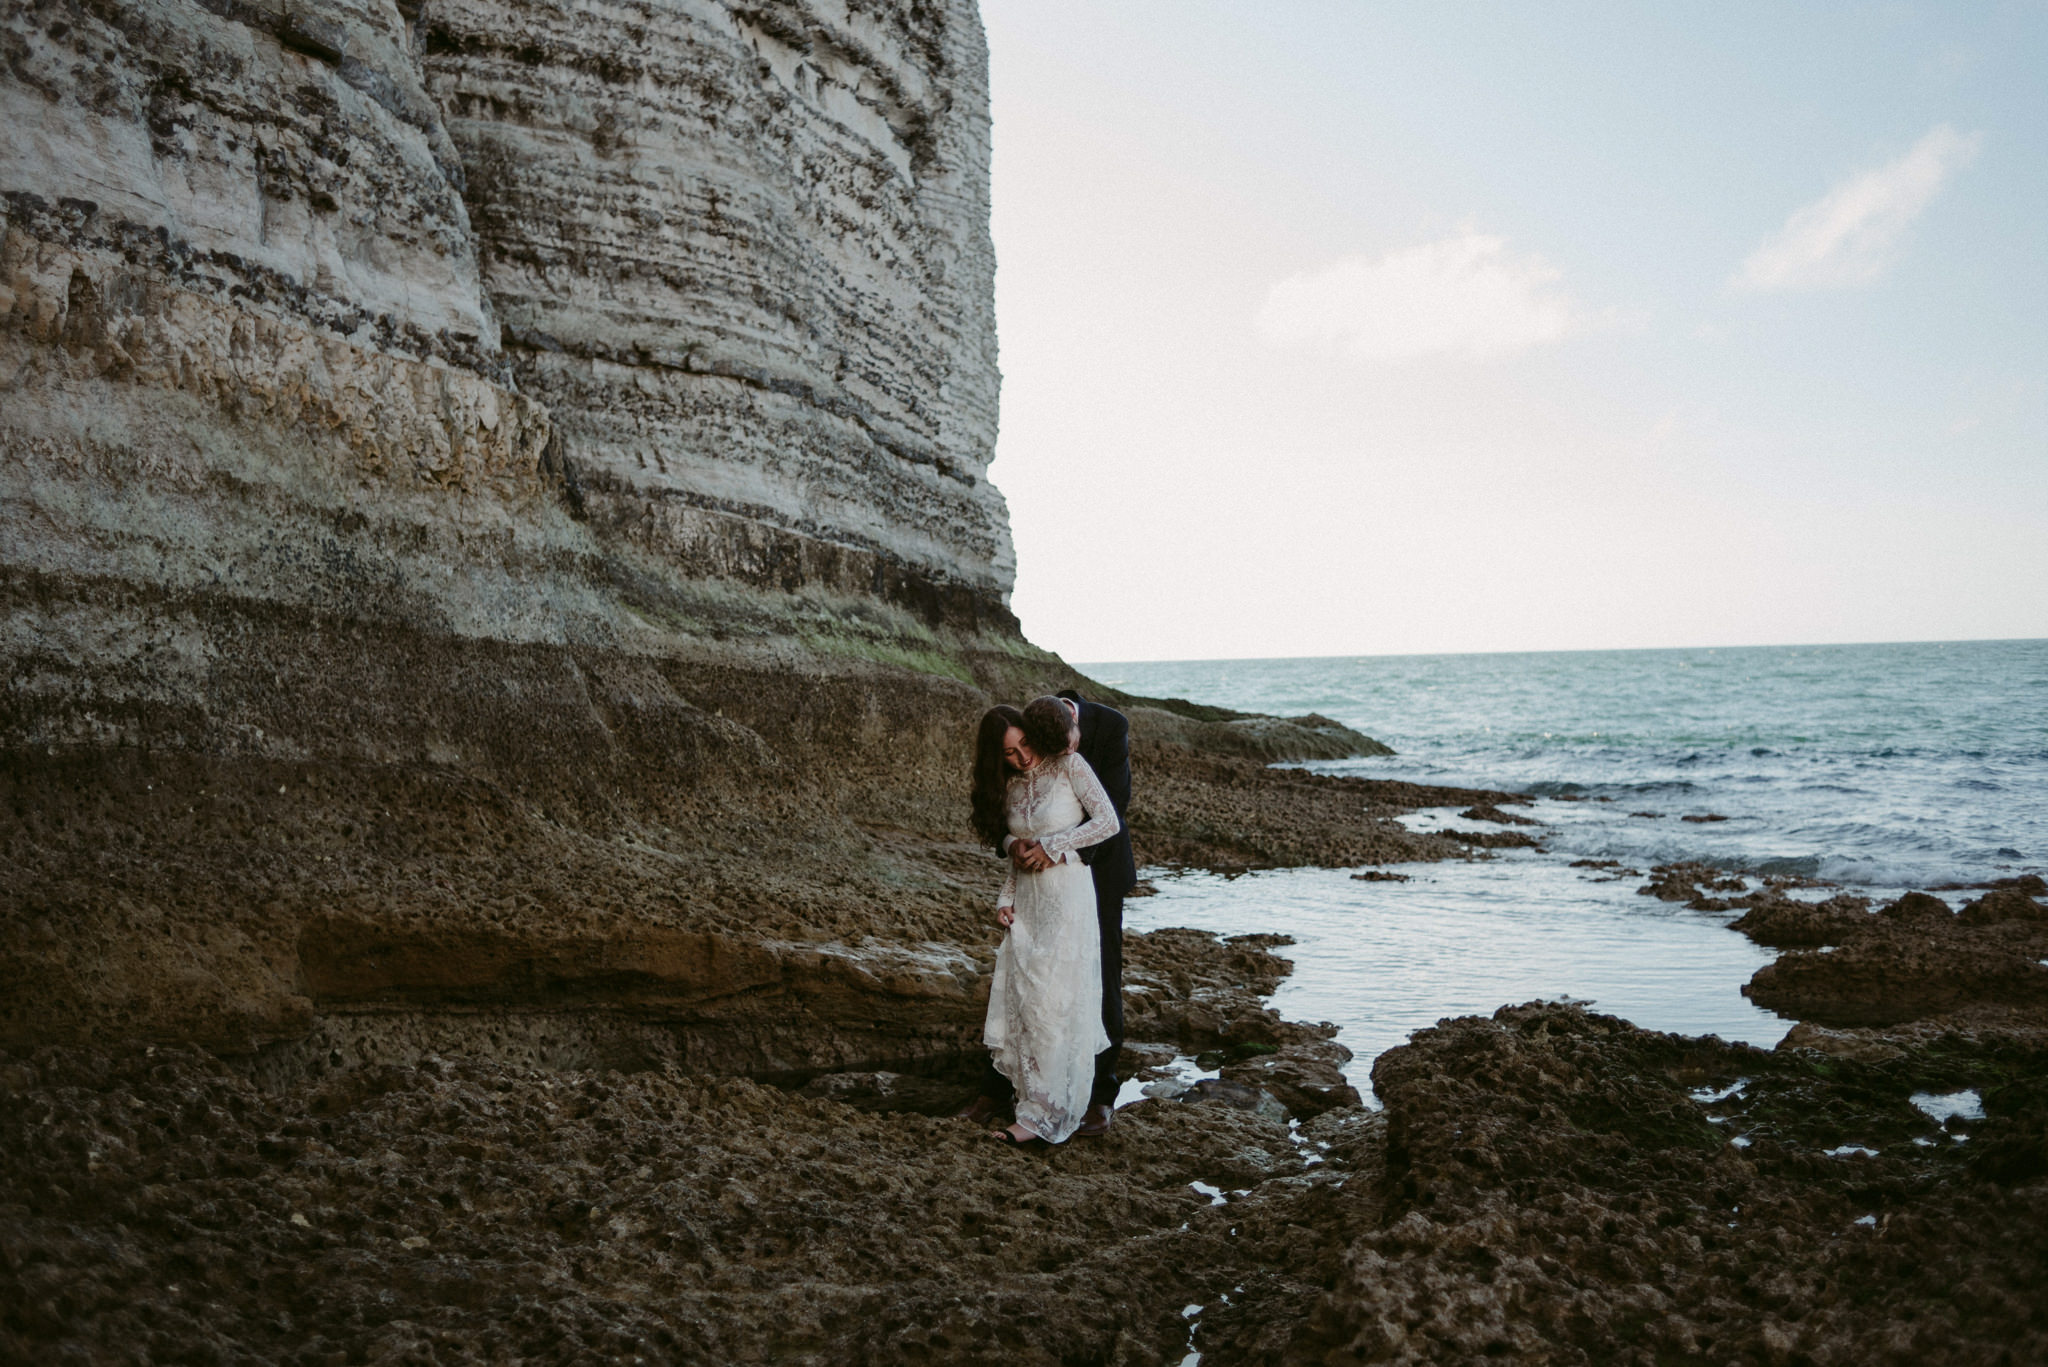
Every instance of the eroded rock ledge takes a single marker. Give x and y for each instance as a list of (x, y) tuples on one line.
[(457, 1210)]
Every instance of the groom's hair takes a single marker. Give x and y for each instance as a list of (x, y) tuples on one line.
[(1046, 725)]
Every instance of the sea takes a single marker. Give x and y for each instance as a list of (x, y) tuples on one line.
[(1878, 768)]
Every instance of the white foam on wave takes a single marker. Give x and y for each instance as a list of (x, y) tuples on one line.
[(1945, 783)]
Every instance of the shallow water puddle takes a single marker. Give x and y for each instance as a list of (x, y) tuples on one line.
[(1384, 959), (1707, 1096), (1940, 1107), (1311, 1153), (1180, 1074), (1193, 1315)]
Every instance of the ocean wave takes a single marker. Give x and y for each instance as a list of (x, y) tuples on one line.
[(1878, 765)]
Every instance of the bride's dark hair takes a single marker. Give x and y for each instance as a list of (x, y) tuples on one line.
[(992, 774)]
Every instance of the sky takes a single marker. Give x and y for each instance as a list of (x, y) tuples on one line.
[(1346, 328)]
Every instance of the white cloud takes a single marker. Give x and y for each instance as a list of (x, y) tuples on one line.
[(1463, 296), (1848, 236)]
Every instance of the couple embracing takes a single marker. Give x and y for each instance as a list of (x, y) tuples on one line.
[(1051, 784)]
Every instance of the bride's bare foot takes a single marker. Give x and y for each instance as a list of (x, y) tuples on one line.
[(1018, 1136)]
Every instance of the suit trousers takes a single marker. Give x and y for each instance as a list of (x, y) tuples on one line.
[(1109, 914)]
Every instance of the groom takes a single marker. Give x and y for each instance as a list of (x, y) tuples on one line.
[(1102, 737)]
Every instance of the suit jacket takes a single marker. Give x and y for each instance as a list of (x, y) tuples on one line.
[(1106, 745)]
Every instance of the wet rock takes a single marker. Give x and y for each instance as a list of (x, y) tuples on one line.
[(1693, 883), (903, 1092), (159, 1202), (2032, 884), (1917, 962), (1495, 840), (1207, 993), (1782, 922), (1220, 811), (1237, 1095), (1703, 818), (2008, 904), (1607, 870), (2011, 1144), (1677, 882), (1379, 876), (1138, 1056), (1865, 1046), (1486, 811), (1918, 909), (1306, 1078)]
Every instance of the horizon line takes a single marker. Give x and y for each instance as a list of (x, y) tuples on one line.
[(1566, 650)]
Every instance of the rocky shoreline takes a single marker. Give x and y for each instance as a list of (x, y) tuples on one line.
[(166, 1204), (1548, 1185)]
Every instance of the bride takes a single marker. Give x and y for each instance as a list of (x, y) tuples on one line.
[(1045, 1005)]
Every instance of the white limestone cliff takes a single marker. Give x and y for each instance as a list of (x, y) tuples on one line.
[(714, 278)]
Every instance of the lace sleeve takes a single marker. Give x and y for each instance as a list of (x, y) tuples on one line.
[(1008, 896), (1102, 822)]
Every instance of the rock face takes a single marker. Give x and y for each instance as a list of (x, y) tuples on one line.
[(741, 252), (458, 463)]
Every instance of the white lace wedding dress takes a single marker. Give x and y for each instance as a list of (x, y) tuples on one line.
[(1045, 1005)]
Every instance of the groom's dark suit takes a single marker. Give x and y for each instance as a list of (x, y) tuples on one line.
[(1106, 745)]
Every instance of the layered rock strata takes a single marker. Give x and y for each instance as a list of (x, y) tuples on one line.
[(344, 625), (742, 254)]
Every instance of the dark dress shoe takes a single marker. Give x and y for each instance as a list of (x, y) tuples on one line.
[(1095, 1123), (981, 1110)]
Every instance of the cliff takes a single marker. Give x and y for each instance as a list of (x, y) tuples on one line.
[(496, 536), (723, 271)]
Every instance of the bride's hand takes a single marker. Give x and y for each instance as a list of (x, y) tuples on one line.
[(1005, 916)]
